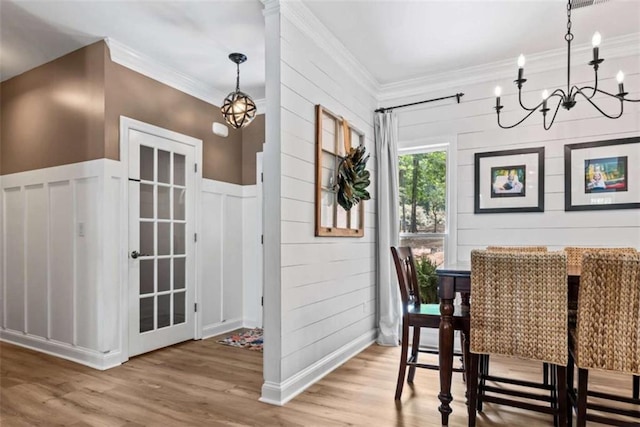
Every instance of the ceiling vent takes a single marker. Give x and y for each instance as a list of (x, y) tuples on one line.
[(577, 4)]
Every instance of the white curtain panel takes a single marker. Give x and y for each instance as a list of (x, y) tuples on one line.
[(386, 138)]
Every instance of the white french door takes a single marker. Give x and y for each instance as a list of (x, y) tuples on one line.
[(161, 242)]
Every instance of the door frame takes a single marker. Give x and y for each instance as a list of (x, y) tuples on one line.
[(127, 124)]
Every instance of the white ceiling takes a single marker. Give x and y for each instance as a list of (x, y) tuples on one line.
[(394, 40)]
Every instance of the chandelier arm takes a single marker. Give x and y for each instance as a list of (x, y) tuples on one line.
[(521, 104), (553, 119), (523, 119), (609, 94), (578, 90)]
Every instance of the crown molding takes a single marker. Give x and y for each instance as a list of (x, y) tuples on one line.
[(300, 15), (618, 47), (138, 62), (261, 105)]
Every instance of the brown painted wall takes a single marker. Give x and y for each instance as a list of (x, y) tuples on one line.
[(68, 111), (136, 96), (252, 139), (54, 114)]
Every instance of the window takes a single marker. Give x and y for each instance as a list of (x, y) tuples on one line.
[(423, 202)]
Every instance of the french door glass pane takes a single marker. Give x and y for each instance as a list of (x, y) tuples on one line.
[(178, 273), (164, 242), (164, 310), (146, 163), (164, 202), (146, 314), (164, 274), (146, 201), (178, 238), (147, 270), (178, 203), (146, 238), (178, 169), (179, 307), (164, 160)]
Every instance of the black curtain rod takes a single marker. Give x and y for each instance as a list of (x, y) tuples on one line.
[(457, 96)]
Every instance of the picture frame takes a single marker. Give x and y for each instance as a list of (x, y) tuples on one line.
[(334, 139), (602, 175), (509, 181)]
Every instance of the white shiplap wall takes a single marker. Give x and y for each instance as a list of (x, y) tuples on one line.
[(326, 286), (474, 123)]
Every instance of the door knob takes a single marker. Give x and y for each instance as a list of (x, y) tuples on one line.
[(136, 254)]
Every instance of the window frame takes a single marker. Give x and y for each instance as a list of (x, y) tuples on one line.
[(448, 144)]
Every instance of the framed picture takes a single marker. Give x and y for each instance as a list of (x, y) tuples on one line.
[(602, 175), (509, 181)]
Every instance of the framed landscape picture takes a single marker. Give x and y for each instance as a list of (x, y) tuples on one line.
[(602, 175), (509, 181)]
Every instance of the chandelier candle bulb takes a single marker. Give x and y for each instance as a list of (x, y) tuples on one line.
[(620, 79), (521, 62), (545, 95), (498, 92)]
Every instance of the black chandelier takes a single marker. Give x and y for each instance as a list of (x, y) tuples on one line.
[(238, 108), (566, 99)]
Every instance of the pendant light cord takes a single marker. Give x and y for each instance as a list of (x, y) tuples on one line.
[(237, 77)]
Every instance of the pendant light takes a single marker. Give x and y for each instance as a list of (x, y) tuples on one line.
[(238, 109)]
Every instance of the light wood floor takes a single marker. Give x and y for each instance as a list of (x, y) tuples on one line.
[(203, 383)]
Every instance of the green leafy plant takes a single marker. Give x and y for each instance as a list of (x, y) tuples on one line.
[(427, 280), (353, 178)]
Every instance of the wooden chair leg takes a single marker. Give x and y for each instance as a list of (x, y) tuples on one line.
[(484, 371), (415, 347), (636, 387), (403, 360), (570, 389), (561, 381), (463, 337), (545, 373), (472, 387), (583, 379)]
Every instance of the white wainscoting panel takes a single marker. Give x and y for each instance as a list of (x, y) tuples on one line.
[(224, 244), (59, 276)]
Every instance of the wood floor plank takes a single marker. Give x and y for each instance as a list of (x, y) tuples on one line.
[(203, 383)]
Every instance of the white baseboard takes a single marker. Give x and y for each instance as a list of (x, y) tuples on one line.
[(83, 356), (279, 394), (221, 328)]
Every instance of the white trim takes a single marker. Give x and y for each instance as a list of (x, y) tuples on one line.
[(127, 124), (222, 328), (84, 356), (279, 394), (261, 105), (300, 15), (139, 62), (616, 47)]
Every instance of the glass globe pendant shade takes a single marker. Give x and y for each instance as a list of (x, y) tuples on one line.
[(238, 109)]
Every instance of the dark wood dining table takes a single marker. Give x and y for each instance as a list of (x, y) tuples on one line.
[(455, 278)]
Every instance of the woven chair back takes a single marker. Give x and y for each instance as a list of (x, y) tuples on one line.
[(608, 331), (519, 305), (517, 248), (407, 277), (575, 254)]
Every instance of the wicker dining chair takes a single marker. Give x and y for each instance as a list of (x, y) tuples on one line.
[(574, 259), (519, 309), (484, 359), (418, 315), (607, 336)]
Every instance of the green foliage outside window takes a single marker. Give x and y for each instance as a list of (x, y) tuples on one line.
[(427, 279), (422, 191)]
